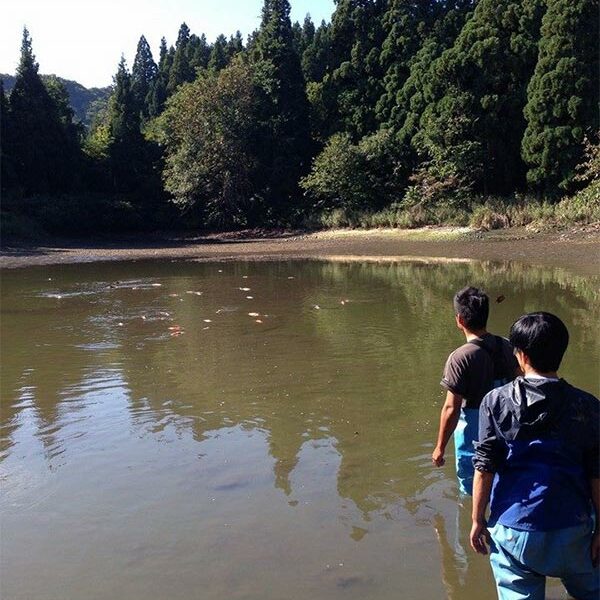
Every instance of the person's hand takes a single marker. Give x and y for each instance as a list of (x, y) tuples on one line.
[(596, 549), (437, 458), (479, 536)]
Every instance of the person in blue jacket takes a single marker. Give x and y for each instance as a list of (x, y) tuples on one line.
[(471, 371), (538, 459)]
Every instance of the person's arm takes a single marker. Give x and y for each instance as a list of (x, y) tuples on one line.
[(596, 539), (490, 453), (482, 488), (448, 421)]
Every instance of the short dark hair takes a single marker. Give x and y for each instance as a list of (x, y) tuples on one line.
[(473, 306), (542, 337)]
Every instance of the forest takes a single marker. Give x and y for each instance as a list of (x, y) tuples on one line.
[(398, 113)]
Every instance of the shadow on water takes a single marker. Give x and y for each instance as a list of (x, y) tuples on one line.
[(293, 403)]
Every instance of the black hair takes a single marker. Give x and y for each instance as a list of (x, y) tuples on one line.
[(473, 306), (543, 338)]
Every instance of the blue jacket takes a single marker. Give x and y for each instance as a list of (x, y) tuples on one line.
[(541, 439)]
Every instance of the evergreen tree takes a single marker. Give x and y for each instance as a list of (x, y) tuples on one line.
[(143, 75), (158, 89), (308, 32), (316, 60), (303, 35), (235, 45), (127, 152), (297, 37), (41, 146), (415, 94), (562, 97), (347, 95), (7, 176), (405, 23), (285, 109), (218, 54), (479, 85), (181, 69), (72, 132), (198, 52)]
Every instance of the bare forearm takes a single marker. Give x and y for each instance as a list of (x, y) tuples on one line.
[(448, 421), (482, 489)]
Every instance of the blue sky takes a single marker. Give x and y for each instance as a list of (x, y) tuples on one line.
[(84, 39)]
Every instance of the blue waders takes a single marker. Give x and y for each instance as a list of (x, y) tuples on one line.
[(467, 432)]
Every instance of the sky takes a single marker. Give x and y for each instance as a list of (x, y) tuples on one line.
[(84, 39)]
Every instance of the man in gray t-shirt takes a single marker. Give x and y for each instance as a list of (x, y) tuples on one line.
[(471, 368), (471, 371)]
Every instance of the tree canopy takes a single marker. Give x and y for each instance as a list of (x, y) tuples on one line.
[(391, 103)]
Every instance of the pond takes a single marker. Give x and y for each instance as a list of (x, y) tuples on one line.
[(255, 430)]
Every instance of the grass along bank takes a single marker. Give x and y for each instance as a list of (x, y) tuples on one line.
[(481, 214)]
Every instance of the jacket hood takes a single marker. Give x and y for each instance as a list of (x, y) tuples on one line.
[(537, 404)]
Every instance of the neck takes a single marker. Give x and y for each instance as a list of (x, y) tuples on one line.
[(531, 371), (476, 333)]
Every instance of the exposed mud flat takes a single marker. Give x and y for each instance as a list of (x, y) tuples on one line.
[(578, 250)]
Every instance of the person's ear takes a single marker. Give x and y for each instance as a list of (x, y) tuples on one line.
[(459, 322), (522, 359)]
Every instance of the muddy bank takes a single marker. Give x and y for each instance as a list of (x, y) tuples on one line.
[(577, 250)]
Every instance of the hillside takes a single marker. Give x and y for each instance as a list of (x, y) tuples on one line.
[(82, 99)]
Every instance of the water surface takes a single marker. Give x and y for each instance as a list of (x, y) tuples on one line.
[(245, 430)]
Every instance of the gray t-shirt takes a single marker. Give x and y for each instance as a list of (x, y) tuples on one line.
[(471, 369)]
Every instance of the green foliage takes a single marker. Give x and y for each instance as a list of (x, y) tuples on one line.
[(181, 70), (316, 57), (409, 111), (487, 70), (198, 53), (405, 24), (413, 97), (157, 94), (218, 55), (82, 100), (7, 174), (130, 156), (337, 178), (500, 213), (76, 215), (283, 109), (209, 132), (41, 140), (588, 174), (349, 91), (393, 217), (143, 74), (562, 96), (235, 46), (345, 175), (448, 136)]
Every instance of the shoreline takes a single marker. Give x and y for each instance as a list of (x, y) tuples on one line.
[(577, 250)]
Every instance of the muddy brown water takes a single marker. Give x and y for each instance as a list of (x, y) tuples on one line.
[(255, 430)]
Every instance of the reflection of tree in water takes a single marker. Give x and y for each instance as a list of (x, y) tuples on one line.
[(364, 373), (44, 362)]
